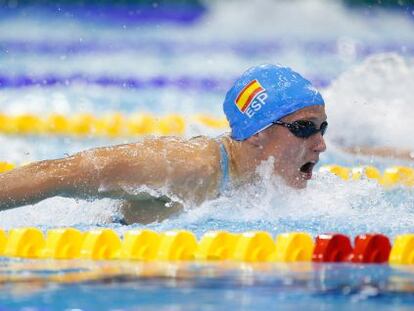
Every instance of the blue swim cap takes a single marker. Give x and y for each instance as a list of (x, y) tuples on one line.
[(264, 94)]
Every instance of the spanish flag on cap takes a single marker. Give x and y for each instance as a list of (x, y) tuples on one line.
[(247, 95)]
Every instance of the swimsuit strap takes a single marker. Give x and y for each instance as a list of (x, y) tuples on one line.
[(224, 165)]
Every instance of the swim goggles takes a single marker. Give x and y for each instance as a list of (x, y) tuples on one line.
[(303, 128)]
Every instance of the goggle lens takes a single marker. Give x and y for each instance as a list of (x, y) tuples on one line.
[(304, 128)]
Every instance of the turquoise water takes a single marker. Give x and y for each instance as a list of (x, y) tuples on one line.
[(204, 286), (208, 286), (363, 63)]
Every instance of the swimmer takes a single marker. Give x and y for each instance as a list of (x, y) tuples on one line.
[(272, 111)]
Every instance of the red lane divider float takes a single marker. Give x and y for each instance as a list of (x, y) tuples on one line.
[(332, 248), (368, 248), (371, 248)]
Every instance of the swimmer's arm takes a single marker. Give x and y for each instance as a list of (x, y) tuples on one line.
[(37, 181), (385, 152), (109, 172), (80, 175)]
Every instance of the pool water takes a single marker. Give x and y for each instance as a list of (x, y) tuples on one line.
[(48, 285), (63, 61)]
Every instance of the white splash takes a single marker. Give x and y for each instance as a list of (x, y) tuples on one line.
[(328, 204), (371, 104), (61, 212)]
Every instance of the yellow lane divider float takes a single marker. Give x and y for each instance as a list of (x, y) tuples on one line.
[(180, 245), (110, 125), (392, 176)]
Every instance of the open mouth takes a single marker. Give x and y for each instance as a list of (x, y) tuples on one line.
[(307, 168)]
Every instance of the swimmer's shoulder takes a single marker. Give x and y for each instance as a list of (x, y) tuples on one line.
[(198, 156), (204, 152), (197, 165)]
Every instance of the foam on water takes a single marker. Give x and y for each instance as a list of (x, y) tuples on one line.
[(302, 20), (328, 204), (61, 212), (372, 103)]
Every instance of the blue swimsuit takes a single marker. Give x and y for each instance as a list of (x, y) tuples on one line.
[(224, 165)]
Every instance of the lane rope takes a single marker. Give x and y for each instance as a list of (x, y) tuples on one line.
[(182, 245), (110, 125), (390, 177)]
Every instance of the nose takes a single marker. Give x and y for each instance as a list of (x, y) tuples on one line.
[(318, 143)]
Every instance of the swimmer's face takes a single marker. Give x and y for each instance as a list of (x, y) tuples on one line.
[(295, 157)]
